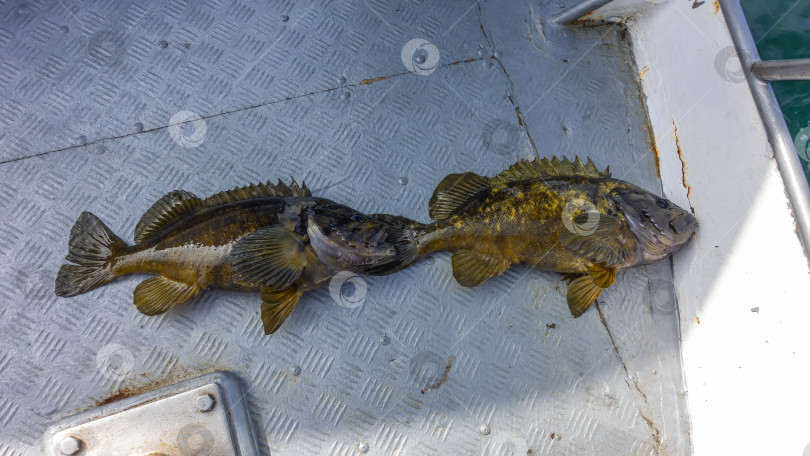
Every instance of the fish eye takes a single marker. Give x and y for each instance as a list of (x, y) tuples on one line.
[(663, 204)]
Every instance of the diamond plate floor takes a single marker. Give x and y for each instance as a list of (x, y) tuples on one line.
[(93, 95)]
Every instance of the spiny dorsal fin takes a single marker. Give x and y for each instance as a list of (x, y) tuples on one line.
[(254, 191), (540, 168), (271, 256), (277, 305), (471, 269), (170, 208), (453, 191)]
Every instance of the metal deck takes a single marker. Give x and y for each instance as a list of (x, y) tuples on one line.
[(92, 100)]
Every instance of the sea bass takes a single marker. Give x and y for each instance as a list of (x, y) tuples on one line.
[(254, 238), (556, 215)]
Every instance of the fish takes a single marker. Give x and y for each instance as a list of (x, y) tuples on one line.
[(257, 238), (551, 214)]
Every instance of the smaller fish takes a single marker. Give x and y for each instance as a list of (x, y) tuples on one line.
[(556, 215), (275, 239)]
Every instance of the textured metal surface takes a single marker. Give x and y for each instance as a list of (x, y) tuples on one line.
[(93, 96), (202, 416)]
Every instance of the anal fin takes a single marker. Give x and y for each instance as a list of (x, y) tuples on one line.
[(277, 306), (158, 294), (471, 269)]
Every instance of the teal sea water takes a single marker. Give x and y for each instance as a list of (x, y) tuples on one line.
[(781, 29)]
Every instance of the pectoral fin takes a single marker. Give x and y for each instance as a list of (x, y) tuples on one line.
[(583, 291), (608, 242), (471, 269), (272, 257), (158, 294), (277, 306)]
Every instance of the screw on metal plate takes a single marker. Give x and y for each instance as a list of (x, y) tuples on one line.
[(70, 445), (385, 340), (484, 429), (362, 447), (205, 403), (296, 371)]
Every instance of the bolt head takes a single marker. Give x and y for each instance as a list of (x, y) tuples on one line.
[(70, 445), (205, 403), (484, 429), (363, 447)]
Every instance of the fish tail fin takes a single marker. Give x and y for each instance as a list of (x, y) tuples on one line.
[(90, 247)]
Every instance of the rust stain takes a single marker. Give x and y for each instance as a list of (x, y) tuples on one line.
[(646, 124), (445, 376), (657, 159), (373, 80), (716, 5), (683, 169), (697, 319), (551, 326), (644, 72), (141, 384)]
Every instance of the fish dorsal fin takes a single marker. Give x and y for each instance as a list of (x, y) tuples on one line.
[(277, 305), (272, 257), (158, 294), (471, 269), (253, 191), (453, 191), (543, 167), (168, 209)]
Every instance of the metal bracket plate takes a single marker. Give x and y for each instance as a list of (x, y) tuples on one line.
[(203, 416)]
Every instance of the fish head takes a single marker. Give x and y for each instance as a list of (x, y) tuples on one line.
[(351, 244), (660, 227)]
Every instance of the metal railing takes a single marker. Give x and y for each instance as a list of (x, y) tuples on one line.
[(758, 73)]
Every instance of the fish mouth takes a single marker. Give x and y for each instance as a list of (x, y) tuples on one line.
[(684, 225)]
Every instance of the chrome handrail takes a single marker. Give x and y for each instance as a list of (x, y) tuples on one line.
[(782, 70), (784, 150)]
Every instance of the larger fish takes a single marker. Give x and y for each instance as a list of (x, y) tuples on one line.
[(554, 215), (254, 238)]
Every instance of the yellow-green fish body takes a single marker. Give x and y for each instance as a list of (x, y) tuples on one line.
[(554, 215)]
